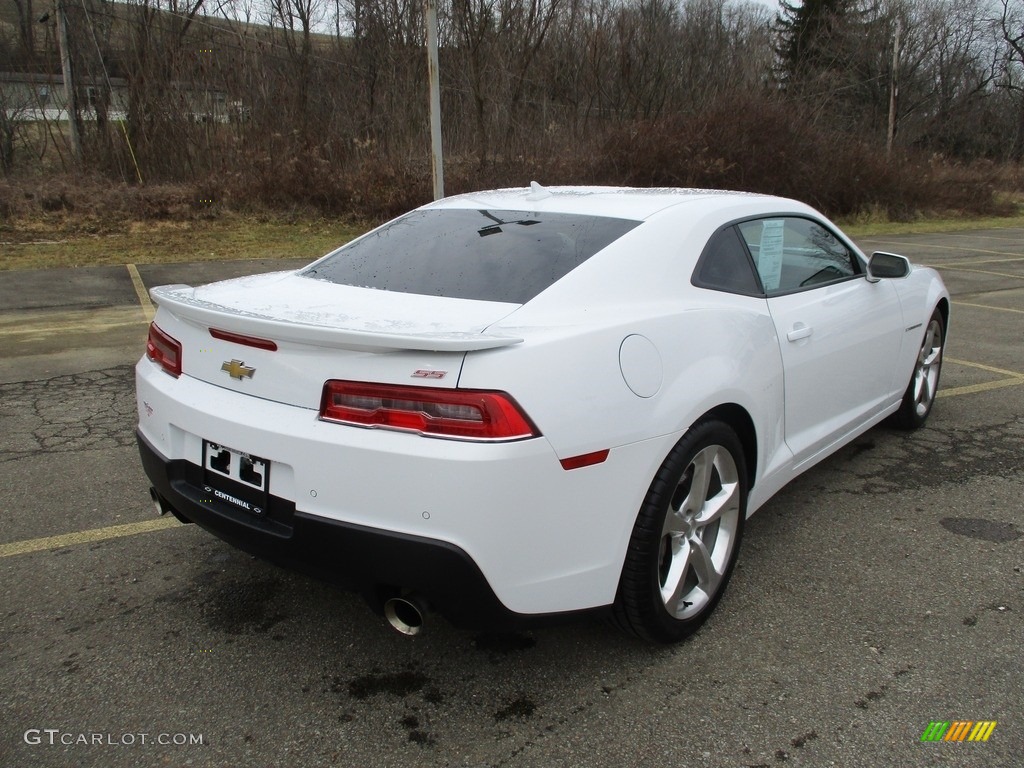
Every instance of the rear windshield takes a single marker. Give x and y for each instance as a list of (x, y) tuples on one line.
[(507, 256)]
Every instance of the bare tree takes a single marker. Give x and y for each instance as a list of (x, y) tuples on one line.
[(1010, 27), (296, 19), (26, 27)]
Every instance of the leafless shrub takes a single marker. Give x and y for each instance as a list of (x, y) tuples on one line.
[(779, 150), (94, 203)]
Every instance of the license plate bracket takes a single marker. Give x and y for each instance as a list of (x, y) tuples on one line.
[(234, 477)]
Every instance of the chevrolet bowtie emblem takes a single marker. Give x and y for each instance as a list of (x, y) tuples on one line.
[(237, 369)]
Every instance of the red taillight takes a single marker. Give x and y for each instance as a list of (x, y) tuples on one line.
[(241, 338), (162, 349), (460, 414)]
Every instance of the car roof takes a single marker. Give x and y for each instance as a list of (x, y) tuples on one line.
[(618, 202)]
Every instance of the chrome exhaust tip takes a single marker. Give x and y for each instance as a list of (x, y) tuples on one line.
[(405, 614), (163, 507), (158, 503)]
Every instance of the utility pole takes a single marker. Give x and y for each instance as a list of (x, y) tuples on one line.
[(434, 76), (70, 92), (894, 90)]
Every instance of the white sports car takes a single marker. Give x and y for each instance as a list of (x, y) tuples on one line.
[(518, 404)]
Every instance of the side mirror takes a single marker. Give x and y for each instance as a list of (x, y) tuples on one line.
[(888, 265)]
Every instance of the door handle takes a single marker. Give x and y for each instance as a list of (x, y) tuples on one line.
[(800, 331)]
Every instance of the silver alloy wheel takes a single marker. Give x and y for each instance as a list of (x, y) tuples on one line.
[(699, 532), (926, 372)]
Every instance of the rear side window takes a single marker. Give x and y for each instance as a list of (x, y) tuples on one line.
[(489, 255), (725, 266)]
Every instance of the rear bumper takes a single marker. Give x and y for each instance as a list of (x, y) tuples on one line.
[(376, 563)]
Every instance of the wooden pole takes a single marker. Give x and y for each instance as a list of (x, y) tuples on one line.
[(894, 90), (434, 76), (70, 92)]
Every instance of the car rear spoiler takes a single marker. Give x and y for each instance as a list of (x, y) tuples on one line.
[(181, 301)]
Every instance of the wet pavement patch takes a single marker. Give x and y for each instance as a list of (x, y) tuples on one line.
[(416, 734), (243, 608), (519, 708), (799, 741), (501, 644), (397, 684), (980, 528)]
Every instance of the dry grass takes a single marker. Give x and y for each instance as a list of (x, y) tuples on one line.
[(76, 221), (878, 223), (61, 221), (26, 246)]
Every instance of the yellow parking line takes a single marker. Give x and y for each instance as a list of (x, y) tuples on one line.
[(983, 367), (978, 271), (84, 537), (986, 306), (971, 389), (975, 262), (979, 236), (1015, 379), (945, 247), (38, 324), (140, 290)]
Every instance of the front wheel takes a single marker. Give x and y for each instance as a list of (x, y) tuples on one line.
[(686, 537), (920, 395)]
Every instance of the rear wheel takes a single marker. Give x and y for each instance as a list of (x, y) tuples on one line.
[(920, 395), (686, 536)]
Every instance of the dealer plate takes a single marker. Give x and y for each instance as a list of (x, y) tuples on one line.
[(235, 477)]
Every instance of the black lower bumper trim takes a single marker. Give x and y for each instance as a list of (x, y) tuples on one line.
[(370, 560)]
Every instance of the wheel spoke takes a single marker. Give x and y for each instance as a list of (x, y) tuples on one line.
[(926, 389), (919, 382), (726, 500), (674, 524), (708, 576), (677, 592), (928, 344), (675, 580), (701, 479)]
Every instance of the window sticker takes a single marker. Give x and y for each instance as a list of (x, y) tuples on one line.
[(769, 257)]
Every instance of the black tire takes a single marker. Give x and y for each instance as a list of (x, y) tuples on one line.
[(667, 520), (924, 381)]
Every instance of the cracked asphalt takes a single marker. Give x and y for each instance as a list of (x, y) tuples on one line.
[(74, 412), (881, 591)]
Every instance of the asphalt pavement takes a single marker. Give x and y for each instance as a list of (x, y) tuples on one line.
[(879, 593)]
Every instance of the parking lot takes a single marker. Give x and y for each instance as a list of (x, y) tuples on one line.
[(880, 592)]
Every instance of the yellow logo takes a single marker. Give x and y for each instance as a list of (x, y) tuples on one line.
[(237, 369)]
